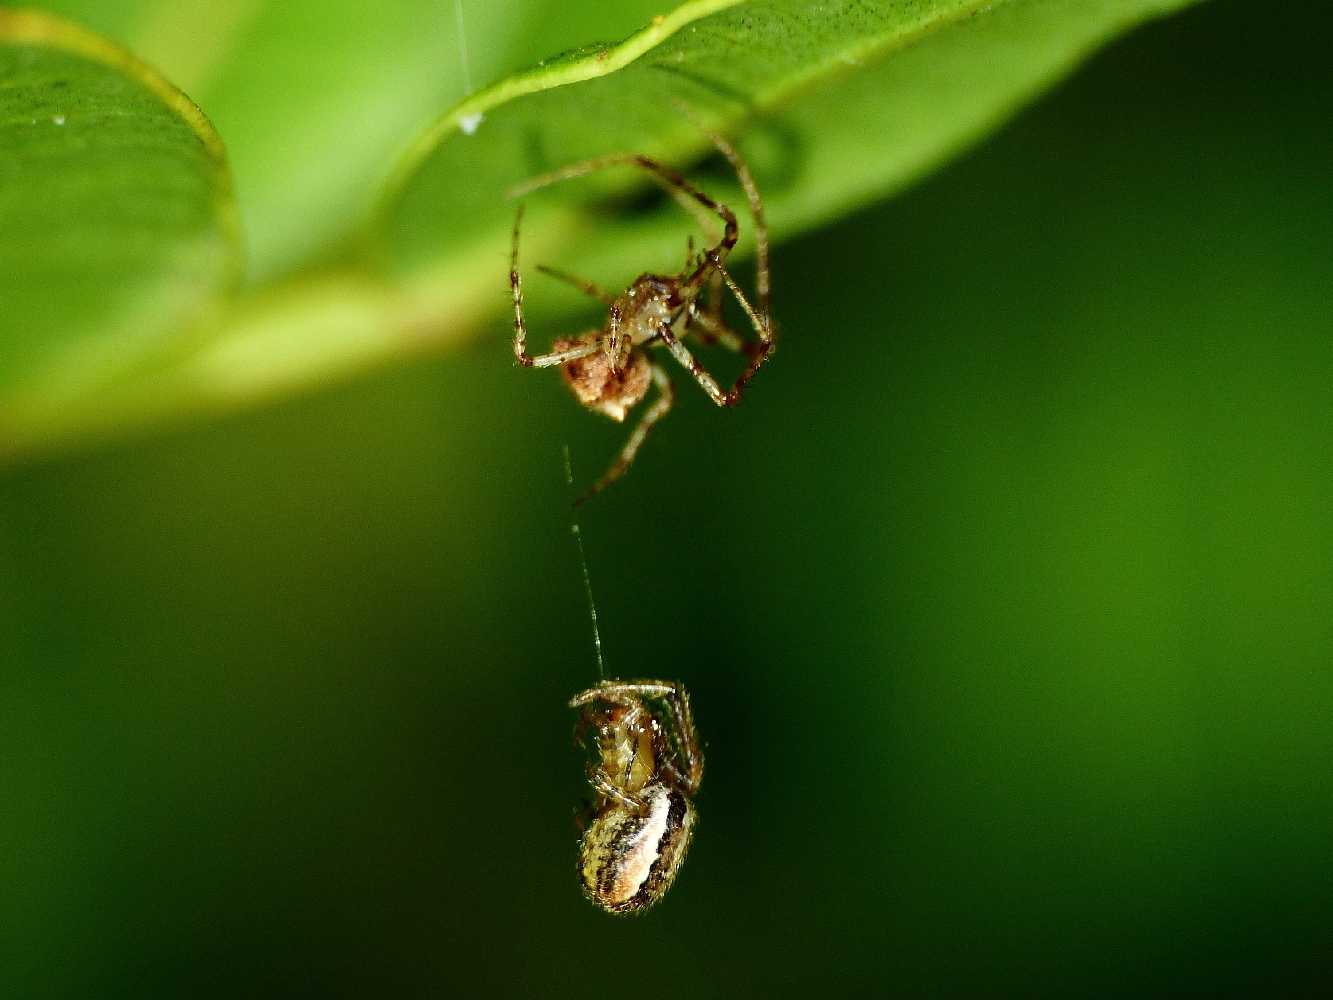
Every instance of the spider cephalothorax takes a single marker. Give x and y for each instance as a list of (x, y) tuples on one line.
[(647, 770), (609, 370)]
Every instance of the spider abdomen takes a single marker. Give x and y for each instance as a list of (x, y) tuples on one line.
[(599, 387), (628, 858)]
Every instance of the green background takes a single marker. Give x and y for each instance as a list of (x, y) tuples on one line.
[(1004, 599)]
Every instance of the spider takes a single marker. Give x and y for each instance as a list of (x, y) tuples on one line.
[(648, 770), (610, 370)]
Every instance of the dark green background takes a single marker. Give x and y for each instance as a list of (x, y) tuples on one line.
[(1005, 601)]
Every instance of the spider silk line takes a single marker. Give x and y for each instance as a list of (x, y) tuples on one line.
[(462, 47), (587, 577), (468, 123)]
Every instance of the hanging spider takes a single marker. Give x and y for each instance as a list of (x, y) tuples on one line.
[(610, 370), (648, 770)]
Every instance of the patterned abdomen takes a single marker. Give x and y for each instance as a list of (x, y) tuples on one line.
[(628, 860)]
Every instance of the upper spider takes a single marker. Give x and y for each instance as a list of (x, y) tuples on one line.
[(609, 370)]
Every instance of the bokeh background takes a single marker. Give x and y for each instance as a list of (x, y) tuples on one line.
[(1005, 600)]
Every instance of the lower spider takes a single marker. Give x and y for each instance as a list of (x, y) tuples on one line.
[(609, 370), (647, 773)]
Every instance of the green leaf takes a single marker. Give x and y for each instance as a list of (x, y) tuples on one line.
[(115, 208), (315, 96), (836, 104)]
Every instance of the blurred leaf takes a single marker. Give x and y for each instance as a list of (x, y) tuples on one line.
[(116, 210), (836, 104)]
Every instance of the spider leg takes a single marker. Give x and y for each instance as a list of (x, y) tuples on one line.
[(603, 784), (520, 327), (680, 188), (763, 277), (763, 326), (678, 703), (555, 358), (598, 694), (687, 361), (660, 408), (759, 322), (622, 692), (582, 284)]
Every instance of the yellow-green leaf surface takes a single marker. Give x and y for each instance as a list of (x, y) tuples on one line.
[(116, 221), (836, 104)]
